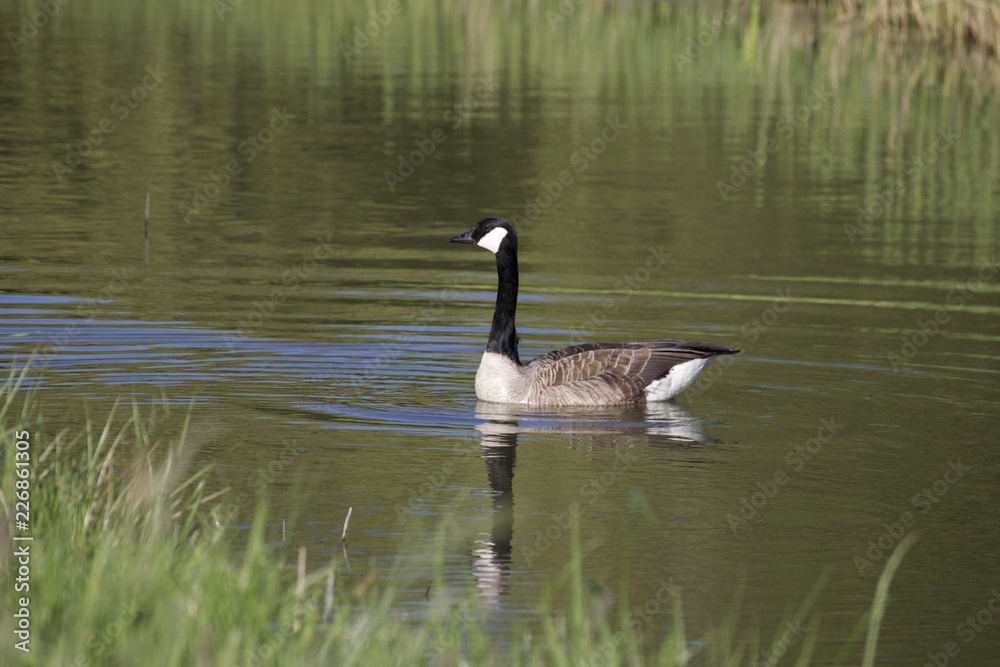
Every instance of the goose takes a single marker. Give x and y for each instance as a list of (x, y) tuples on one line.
[(589, 374)]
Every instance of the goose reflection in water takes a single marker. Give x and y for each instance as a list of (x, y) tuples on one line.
[(660, 424)]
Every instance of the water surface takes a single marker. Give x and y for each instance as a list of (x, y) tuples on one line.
[(831, 211)]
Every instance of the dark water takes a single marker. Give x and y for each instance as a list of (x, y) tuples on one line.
[(831, 211)]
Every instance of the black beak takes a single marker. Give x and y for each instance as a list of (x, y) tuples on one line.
[(463, 238)]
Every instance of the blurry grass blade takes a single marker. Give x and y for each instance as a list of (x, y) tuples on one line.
[(881, 600)]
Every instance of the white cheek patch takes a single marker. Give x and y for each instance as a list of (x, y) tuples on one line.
[(492, 240)]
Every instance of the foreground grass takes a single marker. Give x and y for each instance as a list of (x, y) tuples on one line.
[(129, 565)]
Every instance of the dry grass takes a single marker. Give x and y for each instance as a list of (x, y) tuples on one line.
[(954, 24)]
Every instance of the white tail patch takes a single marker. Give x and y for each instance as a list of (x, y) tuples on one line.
[(677, 380), (493, 240)]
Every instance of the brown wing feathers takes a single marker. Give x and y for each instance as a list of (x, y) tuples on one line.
[(644, 361)]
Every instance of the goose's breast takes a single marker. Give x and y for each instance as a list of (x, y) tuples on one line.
[(500, 380)]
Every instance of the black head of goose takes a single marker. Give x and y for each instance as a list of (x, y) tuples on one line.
[(587, 374)]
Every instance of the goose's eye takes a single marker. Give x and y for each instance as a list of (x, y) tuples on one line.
[(487, 227)]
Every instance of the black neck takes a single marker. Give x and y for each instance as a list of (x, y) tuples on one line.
[(503, 336)]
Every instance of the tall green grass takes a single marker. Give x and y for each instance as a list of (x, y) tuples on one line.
[(130, 566)]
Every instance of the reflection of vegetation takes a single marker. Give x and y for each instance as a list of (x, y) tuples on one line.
[(740, 77), (128, 565), (953, 23)]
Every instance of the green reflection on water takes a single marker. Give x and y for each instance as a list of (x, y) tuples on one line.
[(840, 193)]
